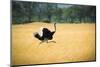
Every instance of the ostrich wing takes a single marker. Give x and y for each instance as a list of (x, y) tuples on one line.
[(46, 33)]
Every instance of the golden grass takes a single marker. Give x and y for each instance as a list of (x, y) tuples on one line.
[(74, 42)]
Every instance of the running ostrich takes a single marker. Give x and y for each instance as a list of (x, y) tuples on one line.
[(45, 34)]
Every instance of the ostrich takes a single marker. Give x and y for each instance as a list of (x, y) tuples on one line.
[(45, 34)]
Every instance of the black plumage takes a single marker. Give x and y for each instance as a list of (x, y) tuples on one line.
[(46, 34)]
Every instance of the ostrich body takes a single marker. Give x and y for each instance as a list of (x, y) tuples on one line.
[(45, 34)]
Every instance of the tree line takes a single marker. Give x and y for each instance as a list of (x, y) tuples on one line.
[(26, 12)]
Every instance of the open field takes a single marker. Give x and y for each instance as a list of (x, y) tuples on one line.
[(74, 42)]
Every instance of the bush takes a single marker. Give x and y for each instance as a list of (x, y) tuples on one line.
[(46, 21)]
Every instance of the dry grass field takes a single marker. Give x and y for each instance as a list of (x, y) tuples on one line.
[(74, 42)]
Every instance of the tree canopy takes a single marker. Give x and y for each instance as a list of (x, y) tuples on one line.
[(26, 12)]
